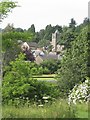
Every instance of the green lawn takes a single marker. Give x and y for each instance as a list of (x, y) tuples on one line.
[(45, 77)]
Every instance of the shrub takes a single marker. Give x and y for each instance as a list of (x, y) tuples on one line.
[(46, 70), (80, 92), (18, 82), (50, 66)]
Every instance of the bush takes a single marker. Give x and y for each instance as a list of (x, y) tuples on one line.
[(40, 70), (50, 66), (80, 92), (34, 71), (18, 82), (46, 70)]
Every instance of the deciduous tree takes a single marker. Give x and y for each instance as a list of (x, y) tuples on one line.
[(5, 8)]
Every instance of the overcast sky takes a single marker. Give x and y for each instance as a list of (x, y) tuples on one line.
[(44, 12)]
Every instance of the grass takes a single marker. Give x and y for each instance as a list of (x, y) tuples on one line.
[(45, 77), (82, 110), (59, 109)]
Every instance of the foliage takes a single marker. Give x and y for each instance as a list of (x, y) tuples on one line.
[(24, 36), (14, 79), (74, 63), (43, 43), (67, 36), (80, 93), (50, 66), (86, 21), (9, 28), (46, 34), (18, 82), (32, 29), (10, 45), (5, 8), (10, 49), (72, 24)]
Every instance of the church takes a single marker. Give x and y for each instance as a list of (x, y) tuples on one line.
[(40, 54), (56, 47)]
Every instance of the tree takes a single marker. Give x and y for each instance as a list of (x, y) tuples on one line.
[(74, 63), (17, 80), (10, 45), (57, 27), (5, 8), (19, 30), (67, 36), (48, 32), (41, 33), (50, 65), (36, 37), (32, 29), (11, 49), (86, 21), (9, 28), (43, 43), (14, 35), (72, 23)]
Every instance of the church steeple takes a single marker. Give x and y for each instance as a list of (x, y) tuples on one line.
[(55, 37)]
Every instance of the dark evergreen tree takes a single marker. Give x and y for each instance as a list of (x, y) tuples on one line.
[(32, 28), (72, 24)]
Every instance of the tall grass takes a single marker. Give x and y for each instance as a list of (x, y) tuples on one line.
[(59, 109), (82, 110)]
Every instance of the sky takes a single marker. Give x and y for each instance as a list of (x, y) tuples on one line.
[(44, 12)]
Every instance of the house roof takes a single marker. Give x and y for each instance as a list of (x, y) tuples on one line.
[(49, 56), (31, 44)]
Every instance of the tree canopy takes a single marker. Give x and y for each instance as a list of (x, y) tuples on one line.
[(74, 63), (5, 7)]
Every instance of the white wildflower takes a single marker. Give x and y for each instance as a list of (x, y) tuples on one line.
[(40, 105), (45, 98), (79, 93)]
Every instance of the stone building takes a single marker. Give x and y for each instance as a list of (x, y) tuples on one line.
[(55, 38), (56, 48)]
